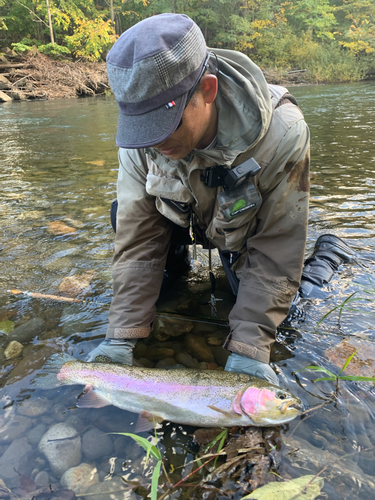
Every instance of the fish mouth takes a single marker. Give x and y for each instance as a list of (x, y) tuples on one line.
[(290, 405)]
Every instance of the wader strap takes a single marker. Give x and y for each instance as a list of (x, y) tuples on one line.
[(226, 260)]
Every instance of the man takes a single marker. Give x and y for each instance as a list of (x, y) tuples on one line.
[(187, 118)]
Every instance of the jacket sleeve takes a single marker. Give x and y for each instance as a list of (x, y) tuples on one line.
[(272, 271), (141, 247)]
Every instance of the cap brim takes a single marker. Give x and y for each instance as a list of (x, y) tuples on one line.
[(149, 129)]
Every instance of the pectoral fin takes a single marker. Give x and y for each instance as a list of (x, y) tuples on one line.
[(146, 421), (90, 398), (225, 413)]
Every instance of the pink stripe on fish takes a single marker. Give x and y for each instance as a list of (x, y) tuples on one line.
[(254, 399)]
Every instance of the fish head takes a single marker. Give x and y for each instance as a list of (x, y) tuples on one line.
[(268, 405)]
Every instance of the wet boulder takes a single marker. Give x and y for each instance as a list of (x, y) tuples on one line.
[(164, 328), (28, 331), (17, 458), (62, 447)]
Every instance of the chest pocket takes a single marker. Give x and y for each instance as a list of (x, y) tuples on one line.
[(232, 234), (173, 199)]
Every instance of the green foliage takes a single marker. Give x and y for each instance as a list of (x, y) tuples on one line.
[(91, 38), (55, 51), (333, 39), (337, 377)]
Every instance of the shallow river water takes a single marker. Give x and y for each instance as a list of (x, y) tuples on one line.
[(59, 165)]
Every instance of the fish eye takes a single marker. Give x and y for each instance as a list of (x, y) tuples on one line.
[(281, 395)]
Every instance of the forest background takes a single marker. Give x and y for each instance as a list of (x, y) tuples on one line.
[(334, 40)]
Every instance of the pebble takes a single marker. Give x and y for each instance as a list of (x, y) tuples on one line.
[(35, 435), (80, 478), (60, 448), (26, 332), (165, 363), (96, 444), (215, 339), (42, 479), (140, 350), (17, 457), (13, 427), (199, 348), (158, 353), (187, 360), (59, 412), (34, 407), (164, 328), (13, 350), (146, 362)]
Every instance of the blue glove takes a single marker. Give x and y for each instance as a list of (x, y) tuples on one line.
[(113, 351), (241, 364)]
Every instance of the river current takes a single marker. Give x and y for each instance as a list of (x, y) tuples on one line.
[(58, 169)]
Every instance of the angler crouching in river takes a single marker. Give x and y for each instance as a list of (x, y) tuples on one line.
[(207, 145)]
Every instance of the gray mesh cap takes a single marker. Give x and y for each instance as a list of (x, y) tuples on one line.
[(151, 68)]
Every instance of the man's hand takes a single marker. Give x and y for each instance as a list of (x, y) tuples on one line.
[(241, 364), (113, 351)]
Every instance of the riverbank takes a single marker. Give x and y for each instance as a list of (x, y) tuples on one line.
[(36, 76)]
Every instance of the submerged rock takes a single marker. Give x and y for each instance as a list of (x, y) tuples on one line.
[(62, 447), (58, 228), (164, 328), (73, 286), (16, 459), (199, 348), (13, 350), (362, 364), (114, 489), (28, 331), (96, 444), (13, 427), (80, 478), (34, 407)]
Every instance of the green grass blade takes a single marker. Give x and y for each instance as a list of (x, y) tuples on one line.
[(155, 481), (216, 439), (332, 379), (150, 448), (317, 368), (357, 378), (348, 361), (326, 315)]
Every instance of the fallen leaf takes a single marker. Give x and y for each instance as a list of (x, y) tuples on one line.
[(6, 326), (289, 489), (58, 228), (98, 163)]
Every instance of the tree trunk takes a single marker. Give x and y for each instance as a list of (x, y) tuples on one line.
[(50, 23)]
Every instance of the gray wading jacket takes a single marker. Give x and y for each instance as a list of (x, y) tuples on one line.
[(254, 121)]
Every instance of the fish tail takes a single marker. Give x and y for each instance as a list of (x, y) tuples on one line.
[(48, 378)]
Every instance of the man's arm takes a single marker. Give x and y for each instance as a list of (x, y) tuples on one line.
[(141, 247), (272, 272)]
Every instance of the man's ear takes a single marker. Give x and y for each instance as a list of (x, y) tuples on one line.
[(209, 86)]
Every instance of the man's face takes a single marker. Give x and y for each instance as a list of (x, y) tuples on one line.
[(197, 131)]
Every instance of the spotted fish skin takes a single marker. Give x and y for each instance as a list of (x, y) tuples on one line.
[(205, 398)]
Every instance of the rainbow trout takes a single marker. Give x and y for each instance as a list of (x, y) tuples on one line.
[(201, 398)]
